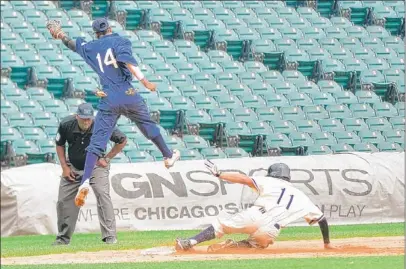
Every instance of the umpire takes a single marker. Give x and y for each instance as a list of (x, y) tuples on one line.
[(77, 130)]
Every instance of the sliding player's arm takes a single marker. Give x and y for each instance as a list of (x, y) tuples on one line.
[(230, 177), (323, 224), (123, 54)]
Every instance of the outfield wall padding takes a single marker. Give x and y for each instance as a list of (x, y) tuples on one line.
[(350, 188)]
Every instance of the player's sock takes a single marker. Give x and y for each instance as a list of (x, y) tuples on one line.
[(90, 163), (204, 235), (162, 146)]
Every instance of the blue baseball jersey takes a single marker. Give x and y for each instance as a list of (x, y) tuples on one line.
[(108, 57)]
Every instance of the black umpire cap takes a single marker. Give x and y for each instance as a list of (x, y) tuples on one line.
[(279, 170)]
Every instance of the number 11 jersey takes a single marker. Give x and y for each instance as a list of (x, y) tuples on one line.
[(283, 202)]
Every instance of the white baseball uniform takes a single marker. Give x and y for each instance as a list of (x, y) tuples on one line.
[(278, 204)]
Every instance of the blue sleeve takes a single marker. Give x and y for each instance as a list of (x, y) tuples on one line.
[(80, 46), (124, 53)]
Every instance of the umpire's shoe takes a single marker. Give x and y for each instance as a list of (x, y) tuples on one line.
[(60, 242), (169, 162), (182, 244)]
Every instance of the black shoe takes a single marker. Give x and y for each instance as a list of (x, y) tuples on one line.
[(110, 240), (60, 242)]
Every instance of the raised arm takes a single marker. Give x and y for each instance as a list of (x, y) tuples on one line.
[(56, 31), (230, 177)]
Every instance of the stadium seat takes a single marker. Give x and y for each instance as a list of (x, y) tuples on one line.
[(299, 99), (244, 114), (252, 101), (228, 101), (282, 126), (331, 125), (365, 147), (19, 119), (45, 119), (323, 98), (371, 136), (301, 139), (213, 153), (138, 156), (394, 136), (261, 88), (221, 115), (28, 106), (378, 124), (324, 138), (204, 102), (316, 112), (389, 147), (362, 110), (319, 150), (268, 114), (276, 100), (259, 128), (354, 124), (30, 133), (400, 106), (307, 126), (236, 153), (398, 123), (341, 148), (54, 106), (367, 97), (347, 137)]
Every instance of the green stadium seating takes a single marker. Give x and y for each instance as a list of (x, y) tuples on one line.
[(236, 153), (331, 125), (229, 102), (339, 111), (398, 123), (19, 119), (268, 114), (276, 100), (365, 147), (45, 119), (367, 97), (324, 138), (319, 150), (389, 147), (213, 153), (354, 125), (371, 136), (315, 112), (282, 126), (362, 110), (261, 88), (221, 115), (138, 156), (341, 148), (394, 136), (307, 126), (347, 137), (204, 102)]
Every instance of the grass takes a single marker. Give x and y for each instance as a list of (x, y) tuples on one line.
[(41, 245), (395, 262)]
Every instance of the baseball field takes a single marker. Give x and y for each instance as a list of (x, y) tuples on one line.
[(357, 247)]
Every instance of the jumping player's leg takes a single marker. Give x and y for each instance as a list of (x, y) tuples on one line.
[(103, 128), (139, 114)]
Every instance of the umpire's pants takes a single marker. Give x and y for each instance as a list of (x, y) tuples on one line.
[(68, 212)]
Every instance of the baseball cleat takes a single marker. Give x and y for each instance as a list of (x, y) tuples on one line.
[(82, 194), (169, 162), (182, 244)]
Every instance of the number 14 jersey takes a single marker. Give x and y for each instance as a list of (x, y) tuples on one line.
[(283, 202)]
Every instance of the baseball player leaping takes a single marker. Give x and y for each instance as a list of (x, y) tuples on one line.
[(278, 204), (110, 56)]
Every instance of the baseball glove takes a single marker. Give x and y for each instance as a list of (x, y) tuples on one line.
[(55, 29)]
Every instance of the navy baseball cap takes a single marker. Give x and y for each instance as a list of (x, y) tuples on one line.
[(100, 25), (85, 111)]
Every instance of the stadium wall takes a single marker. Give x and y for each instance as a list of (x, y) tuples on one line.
[(349, 188)]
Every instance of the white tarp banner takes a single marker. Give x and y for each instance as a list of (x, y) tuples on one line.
[(348, 188)]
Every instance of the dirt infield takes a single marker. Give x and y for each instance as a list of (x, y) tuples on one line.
[(375, 246)]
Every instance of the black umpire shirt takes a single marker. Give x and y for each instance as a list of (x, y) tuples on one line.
[(78, 140)]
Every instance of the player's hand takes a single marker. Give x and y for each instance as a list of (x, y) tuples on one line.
[(149, 85), (329, 246), (55, 29), (100, 93), (212, 168), (68, 174), (102, 162)]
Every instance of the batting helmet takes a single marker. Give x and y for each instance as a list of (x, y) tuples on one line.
[(279, 170)]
